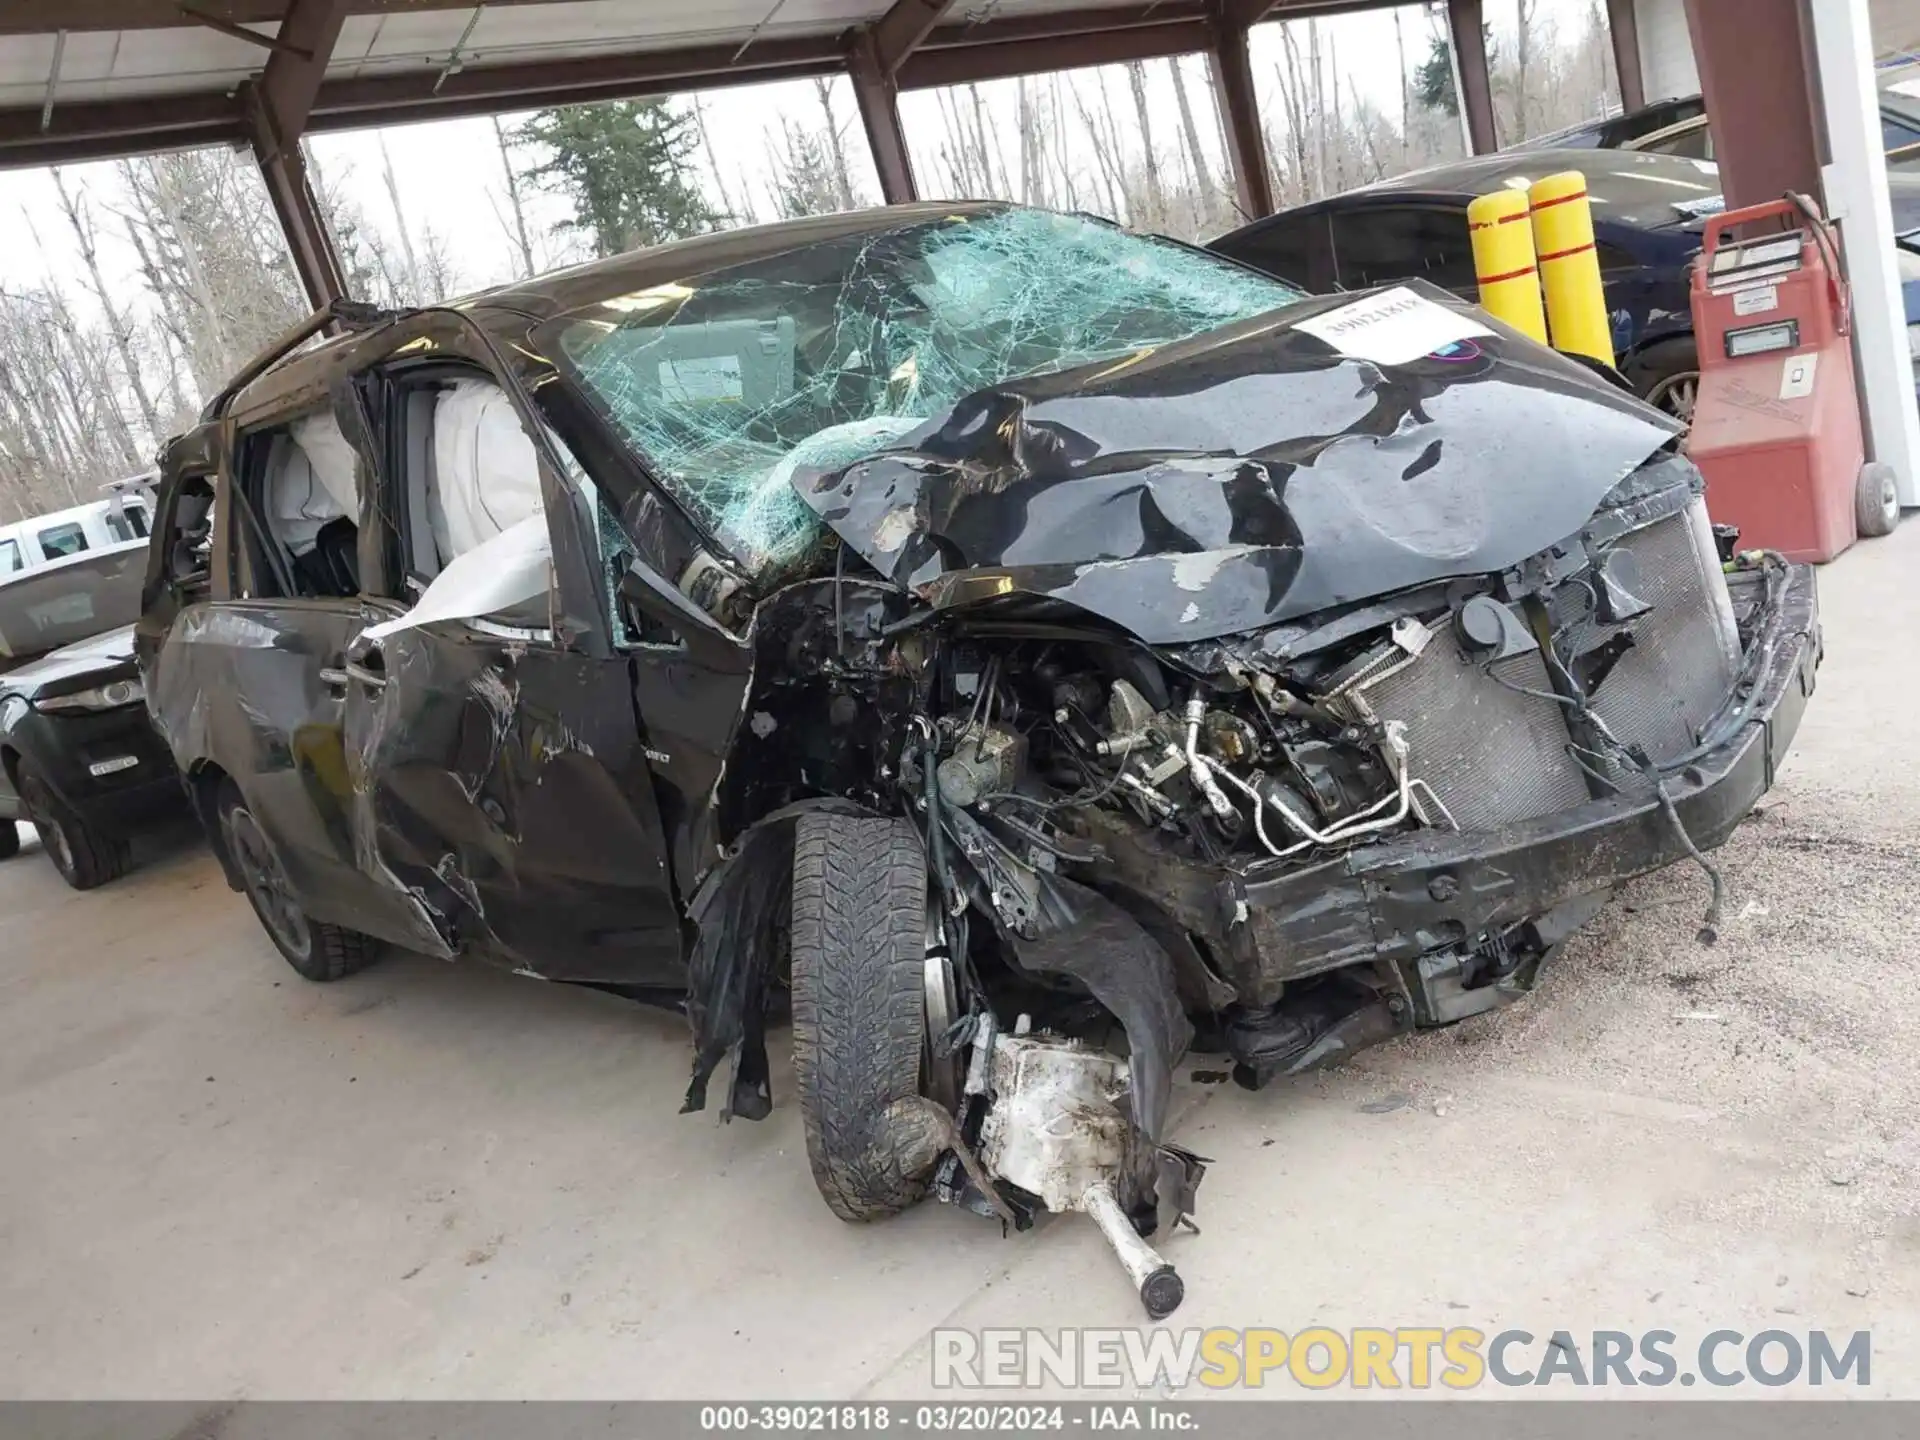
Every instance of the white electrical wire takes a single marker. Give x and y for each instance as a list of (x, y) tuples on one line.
[(1402, 800)]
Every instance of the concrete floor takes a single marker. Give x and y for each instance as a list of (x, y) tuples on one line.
[(219, 1181)]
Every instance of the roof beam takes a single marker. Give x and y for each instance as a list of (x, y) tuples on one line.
[(276, 108), (998, 59), (899, 32), (295, 70), (343, 103), (950, 53), (238, 32), (878, 99), (1239, 106), (24, 19)]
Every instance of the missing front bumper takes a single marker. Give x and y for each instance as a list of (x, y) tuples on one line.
[(1436, 892)]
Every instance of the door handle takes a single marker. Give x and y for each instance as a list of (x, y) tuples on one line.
[(364, 662), (372, 679), (333, 677)]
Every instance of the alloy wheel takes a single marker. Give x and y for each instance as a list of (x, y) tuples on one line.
[(267, 883), (1676, 395)]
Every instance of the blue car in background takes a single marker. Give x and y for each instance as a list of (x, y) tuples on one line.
[(1648, 212)]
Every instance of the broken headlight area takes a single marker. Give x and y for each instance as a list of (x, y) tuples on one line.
[(1241, 845)]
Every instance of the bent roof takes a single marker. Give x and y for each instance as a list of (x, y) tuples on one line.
[(506, 310), (562, 290)]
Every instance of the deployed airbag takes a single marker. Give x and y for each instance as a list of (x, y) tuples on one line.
[(507, 570), (487, 479), (311, 479)]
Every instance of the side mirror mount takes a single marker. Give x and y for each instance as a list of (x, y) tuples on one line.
[(705, 638)]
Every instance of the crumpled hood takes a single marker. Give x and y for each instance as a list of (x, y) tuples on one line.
[(1244, 477)]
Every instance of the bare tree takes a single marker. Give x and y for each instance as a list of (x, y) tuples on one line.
[(713, 161), (516, 203), (119, 325), (1150, 161), (836, 146), (1523, 49), (415, 289), (1207, 197), (211, 257)]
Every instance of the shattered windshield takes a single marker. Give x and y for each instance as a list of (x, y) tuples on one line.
[(728, 383)]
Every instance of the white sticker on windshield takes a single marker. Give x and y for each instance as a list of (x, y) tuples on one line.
[(702, 380), (1392, 328)]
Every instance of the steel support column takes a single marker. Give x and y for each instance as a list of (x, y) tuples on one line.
[(1468, 26), (276, 110), (1624, 27), (284, 170), (1755, 64), (878, 97), (1240, 118), (1857, 195)]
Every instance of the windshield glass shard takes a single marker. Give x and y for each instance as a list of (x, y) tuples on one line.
[(729, 383)]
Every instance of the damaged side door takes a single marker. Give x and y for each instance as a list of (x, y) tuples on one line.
[(498, 774)]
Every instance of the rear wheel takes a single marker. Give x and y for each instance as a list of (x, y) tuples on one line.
[(1667, 376), (318, 951), (85, 855), (859, 1011), (1876, 501)]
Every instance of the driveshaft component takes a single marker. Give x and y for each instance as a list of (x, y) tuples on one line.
[(1058, 1130), (1161, 1289)]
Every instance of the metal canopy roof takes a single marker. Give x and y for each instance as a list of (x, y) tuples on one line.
[(87, 79), (92, 79)]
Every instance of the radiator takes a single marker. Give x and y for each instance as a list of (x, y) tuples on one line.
[(1494, 755), (1490, 753), (1686, 650)]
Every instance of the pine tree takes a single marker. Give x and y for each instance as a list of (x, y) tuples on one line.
[(625, 167), (804, 182), (1433, 77)]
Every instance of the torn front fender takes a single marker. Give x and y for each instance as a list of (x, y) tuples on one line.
[(1124, 968)]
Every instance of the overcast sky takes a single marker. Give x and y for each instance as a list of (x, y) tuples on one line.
[(449, 171)]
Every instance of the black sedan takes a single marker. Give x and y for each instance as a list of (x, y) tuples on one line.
[(79, 759)]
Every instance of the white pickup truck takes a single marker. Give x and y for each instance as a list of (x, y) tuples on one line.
[(73, 573)]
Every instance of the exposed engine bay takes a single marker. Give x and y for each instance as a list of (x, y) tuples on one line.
[(1123, 832)]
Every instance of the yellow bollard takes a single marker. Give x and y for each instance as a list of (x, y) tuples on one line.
[(1569, 267), (1503, 261)]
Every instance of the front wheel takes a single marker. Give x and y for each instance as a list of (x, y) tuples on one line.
[(859, 1011), (317, 951), (85, 855)]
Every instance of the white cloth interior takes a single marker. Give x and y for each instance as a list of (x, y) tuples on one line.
[(486, 479), (311, 479)]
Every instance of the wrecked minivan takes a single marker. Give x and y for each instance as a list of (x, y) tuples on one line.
[(1022, 649)]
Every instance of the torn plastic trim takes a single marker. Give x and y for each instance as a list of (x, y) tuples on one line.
[(737, 920)]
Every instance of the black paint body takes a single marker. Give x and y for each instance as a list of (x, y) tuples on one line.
[(572, 804)]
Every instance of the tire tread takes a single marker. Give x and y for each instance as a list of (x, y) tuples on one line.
[(859, 1007)]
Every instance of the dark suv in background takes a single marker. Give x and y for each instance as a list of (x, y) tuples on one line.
[(1648, 212), (79, 758)]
